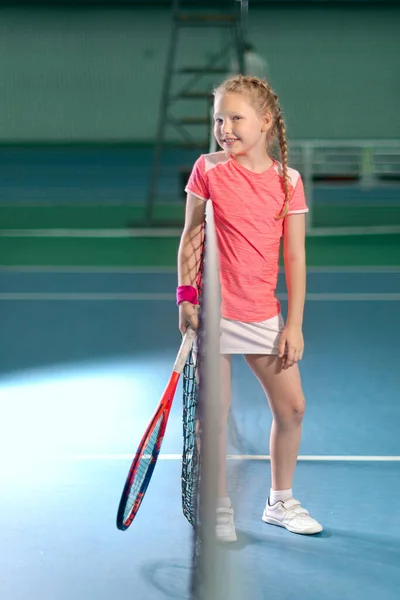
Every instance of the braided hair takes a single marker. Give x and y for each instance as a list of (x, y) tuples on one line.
[(264, 100)]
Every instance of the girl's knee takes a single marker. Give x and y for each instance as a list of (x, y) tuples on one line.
[(291, 413), (298, 410)]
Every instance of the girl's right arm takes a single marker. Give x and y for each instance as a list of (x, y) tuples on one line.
[(189, 257)]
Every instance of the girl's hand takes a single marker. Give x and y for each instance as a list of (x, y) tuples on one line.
[(291, 345), (188, 316)]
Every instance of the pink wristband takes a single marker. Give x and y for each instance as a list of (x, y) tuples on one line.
[(186, 293)]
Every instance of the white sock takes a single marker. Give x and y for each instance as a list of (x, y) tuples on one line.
[(276, 495), (223, 502)]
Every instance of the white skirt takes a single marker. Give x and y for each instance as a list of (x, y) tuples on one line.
[(250, 338)]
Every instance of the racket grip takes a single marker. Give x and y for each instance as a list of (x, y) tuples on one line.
[(184, 350)]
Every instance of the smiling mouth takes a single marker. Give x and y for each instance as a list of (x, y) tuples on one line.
[(230, 140)]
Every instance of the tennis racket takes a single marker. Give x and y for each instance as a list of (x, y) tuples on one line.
[(147, 453)]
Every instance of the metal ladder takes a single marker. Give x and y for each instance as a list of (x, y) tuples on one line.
[(231, 20)]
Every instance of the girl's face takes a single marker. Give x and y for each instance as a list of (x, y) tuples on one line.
[(238, 128)]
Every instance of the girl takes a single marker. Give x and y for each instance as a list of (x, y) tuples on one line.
[(256, 201)]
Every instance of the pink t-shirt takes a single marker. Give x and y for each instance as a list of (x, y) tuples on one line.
[(245, 205)]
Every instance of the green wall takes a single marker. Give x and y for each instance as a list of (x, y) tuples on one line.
[(96, 75)]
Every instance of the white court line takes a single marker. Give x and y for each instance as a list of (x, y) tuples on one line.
[(357, 270), (91, 297), (107, 297), (350, 297), (345, 231), (155, 270), (92, 233), (168, 232), (236, 457), (88, 269)]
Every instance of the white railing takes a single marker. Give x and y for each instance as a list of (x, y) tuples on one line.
[(364, 163)]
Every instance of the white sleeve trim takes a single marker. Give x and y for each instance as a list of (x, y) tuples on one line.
[(298, 212), (188, 191)]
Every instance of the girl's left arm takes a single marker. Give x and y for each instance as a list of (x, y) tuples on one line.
[(294, 254)]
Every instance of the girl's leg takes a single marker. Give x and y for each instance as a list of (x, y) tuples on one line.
[(225, 362), (285, 395), (225, 526)]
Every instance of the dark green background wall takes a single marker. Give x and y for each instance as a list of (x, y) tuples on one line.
[(96, 75)]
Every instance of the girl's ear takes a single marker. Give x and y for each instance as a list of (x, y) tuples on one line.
[(266, 122)]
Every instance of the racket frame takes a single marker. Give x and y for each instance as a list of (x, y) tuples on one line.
[(162, 411)]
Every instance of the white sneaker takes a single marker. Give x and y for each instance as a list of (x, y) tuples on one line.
[(292, 515), (225, 527)]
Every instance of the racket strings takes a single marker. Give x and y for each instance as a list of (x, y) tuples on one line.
[(147, 461)]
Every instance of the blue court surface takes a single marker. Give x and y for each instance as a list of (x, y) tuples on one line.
[(84, 357)]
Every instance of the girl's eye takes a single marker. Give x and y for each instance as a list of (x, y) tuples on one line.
[(218, 120), (236, 118)]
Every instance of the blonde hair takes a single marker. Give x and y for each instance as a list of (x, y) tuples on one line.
[(264, 99)]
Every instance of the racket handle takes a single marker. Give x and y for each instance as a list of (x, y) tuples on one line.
[(184, 350)]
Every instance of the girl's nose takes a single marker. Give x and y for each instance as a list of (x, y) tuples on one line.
[(226, 128)]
